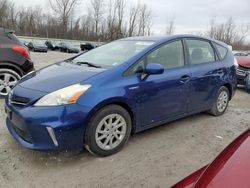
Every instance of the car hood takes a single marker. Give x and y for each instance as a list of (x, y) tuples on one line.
[(243, 61), (58, 76), (229, 169)]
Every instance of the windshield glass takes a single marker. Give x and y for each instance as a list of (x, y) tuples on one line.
[(42, 43), (114, 53)]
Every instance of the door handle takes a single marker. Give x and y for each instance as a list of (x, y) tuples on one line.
[(185, 78)]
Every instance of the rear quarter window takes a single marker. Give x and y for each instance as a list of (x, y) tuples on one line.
[(221, 50)]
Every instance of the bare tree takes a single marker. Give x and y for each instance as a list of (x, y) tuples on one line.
[(145, 16), (105, 20), (140, 20), (228, 32), (64, 9), (97, 11), (4, 4), (170, 28), (120, 4), (115, 19), (111, 19), (13, 14), (133, 16)]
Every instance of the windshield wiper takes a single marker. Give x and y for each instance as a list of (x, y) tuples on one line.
[(89, 64)]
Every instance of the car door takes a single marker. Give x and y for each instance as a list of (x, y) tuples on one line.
[(160, 97), (205, 74)]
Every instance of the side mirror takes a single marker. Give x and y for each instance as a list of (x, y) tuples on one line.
[(154, 68)]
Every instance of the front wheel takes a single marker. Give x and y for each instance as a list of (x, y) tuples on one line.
[(221, 103), (8, 79), (108, 131)]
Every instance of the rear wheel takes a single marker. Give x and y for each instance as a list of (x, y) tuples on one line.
[(108, 131), (221, 103), (8, 79)]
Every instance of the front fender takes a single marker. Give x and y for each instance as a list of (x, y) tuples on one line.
[(115, 100)]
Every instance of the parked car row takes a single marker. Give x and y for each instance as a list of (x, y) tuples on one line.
[(40, 46), (43, 47)]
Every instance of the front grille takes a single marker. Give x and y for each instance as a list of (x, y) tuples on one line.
[(241, 71), (23, 134)]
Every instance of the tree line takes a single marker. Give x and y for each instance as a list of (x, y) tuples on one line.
[(105, 20)]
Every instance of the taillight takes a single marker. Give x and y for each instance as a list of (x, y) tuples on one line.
[(22, 50)]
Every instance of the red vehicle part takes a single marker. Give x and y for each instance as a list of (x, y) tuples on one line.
[(243, 61), (22, 50), (230, 169)]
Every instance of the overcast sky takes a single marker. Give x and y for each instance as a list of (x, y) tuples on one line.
[(191, 16)]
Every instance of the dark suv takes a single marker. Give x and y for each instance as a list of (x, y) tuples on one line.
[(14, 60)]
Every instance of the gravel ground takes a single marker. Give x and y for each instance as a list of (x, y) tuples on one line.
[(154, 158)]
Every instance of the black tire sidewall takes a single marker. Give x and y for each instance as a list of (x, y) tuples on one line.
[(90, 142)]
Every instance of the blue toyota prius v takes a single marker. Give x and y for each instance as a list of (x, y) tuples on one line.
[(98, 99)]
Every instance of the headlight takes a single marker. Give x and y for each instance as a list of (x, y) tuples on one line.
[(67, 95)]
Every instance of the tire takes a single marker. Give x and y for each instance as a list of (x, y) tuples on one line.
[(221, 102), (97, 128), (8, 79)]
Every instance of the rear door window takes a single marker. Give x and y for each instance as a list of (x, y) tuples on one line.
[(200, 51)]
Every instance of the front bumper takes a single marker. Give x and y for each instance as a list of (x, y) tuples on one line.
[(34, 127)]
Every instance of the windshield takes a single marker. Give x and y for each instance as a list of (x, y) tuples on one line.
[(114, 53), (41, 43)]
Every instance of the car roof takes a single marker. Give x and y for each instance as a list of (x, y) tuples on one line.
[(169, 37), (3, 30)]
